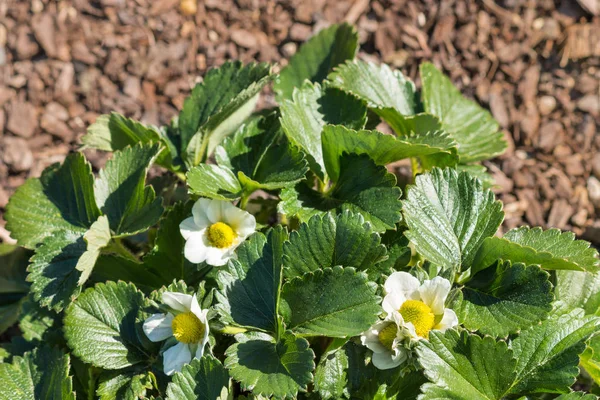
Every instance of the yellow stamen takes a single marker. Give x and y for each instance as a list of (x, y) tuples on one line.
[(220, 235), (187, 328), (419, 314), (387, 335)]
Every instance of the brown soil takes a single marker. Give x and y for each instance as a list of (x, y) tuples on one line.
[(534, 63)]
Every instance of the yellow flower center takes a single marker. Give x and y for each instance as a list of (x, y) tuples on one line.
[(187, 328), (220, 235), (419, 314), (387, 335)]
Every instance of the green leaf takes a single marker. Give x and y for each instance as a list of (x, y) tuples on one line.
[(204, 379), (121, 193), (551, 249), (261, 155), (590, 358), (112, 132), (449, 215), (13, 287), (363, 188), (379, 86), (130, 385), (330, 376), (327, 241), (465, 366), (40, 374), (218, 106), (269, 367), (333, 302), (62, 199), (214, 181), (97, 237), (317, 57), (101, 329), (114, 268), (547, 354), (577, 396), (505, 299), (473, 128), (577, 289), (310, 109), (35, 322), (382, 148), (249, 287)]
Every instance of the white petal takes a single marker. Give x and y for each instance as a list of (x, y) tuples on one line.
[(177, 301), (434, 293), (218, 257), (400, 355), (385, 360), (410, 329), (158, 327), (195, 250), (175, 358), (392, 302), (214, 211), (242, 222), (404, 283), (449, 320), (370, 338), (199, 212), (188, 227)]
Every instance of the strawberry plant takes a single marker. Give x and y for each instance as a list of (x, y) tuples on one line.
[(276, 256)]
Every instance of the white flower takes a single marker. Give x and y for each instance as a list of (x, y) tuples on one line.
[(384, 339), (420, 307), (187, 323), (214, 231)]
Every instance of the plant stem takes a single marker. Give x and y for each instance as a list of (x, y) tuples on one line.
[(244, 200), (117, 246), (414, 163)]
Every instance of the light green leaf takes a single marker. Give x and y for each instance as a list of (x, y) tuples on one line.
[(590, 358), (504, 299), (97, 237), (249, 287), (382, 148), (203, 379), (310, 109), (473, 128), (121, 192), (112, 132), (40, 374), (62, 199), (551, 249), (333, 302), (101, 329), (465, 366), (379, 86), (269, 367), (262, 156), (129, 385), (577, 289), (326, 241), (217, 107), (330, 376), (449, 215), (547, 354), (363, 188), (317, 57), (214, 181)]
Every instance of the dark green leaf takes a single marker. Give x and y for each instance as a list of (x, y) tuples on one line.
[(114, 268), (214, 181), (330, 375), (130, 385), (203, 379), (35, 321), (13, 288)]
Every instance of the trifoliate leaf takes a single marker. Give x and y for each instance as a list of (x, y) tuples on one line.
[(548, 354), (13, 287), (112, 132), (317, 57), (552, 249), (204, 379), (214, 181), (326, 241), (217, 107), (577, 289), (504, 299), (449, 215), (379, 86), (101, 329), (129, 385), (249, 287), (62, 199), (310, 109), (363, 188), (121, 192), (330, 375), (261, 155), (590, 358), (40, 374), (465, 366), (271, 367), (382, 148), (473, 128), (333, 302)]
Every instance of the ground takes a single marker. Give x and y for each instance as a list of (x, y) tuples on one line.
[(534, 63)]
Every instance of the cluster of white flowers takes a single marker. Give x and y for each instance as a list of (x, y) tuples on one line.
[(413, 310)]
